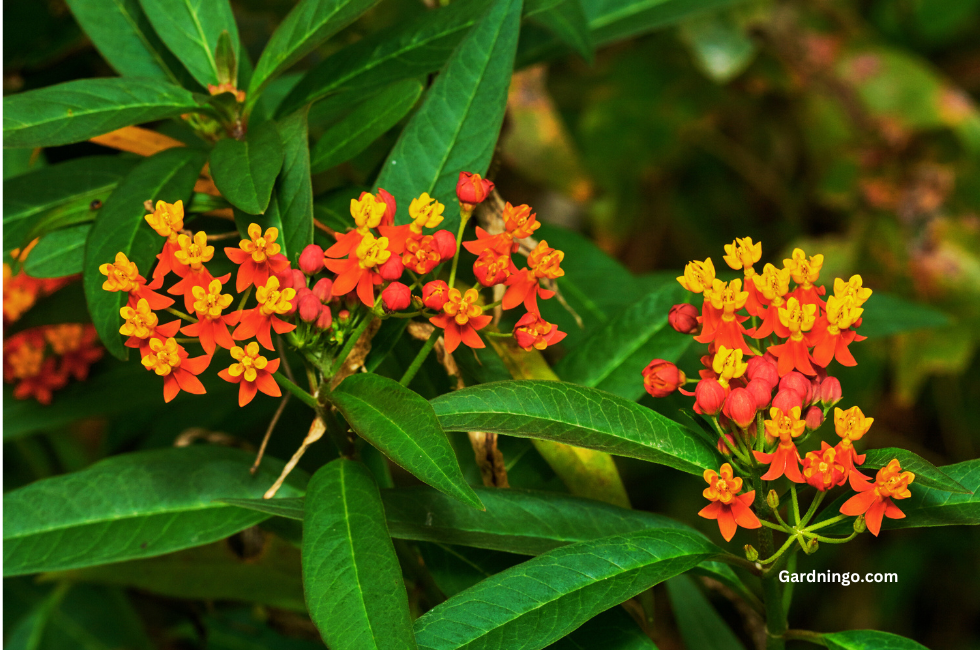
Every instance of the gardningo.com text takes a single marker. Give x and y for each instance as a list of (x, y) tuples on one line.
[(843, 579)]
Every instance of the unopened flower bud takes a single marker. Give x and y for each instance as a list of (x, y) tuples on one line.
[(285, 278), (323, 290), (661, 378), (761, 392), (392, 269), (786, 399), (814, 418), (683, 318), (723, 447), (740, 407), (311, 260), (471, 189), (763, 369), (396, 296), (800, 383), (417, 301), (860, 525), (709, 397), (814, 545), (772, 499), (750, 553), (830, 391), (435, 294), (390, 206), (445, 244), (326, 318), (309, 308)]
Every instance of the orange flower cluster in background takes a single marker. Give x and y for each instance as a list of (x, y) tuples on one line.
[(41, 360)]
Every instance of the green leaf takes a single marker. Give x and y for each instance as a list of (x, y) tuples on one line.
[(457, 568), (310, 23), (567, 21), (122, 34), (403, 426), (700, 625), (120, 227), (720, 46), (930, 507), (365, 124), (59, 253), (457, 126), (78, 110), (245, 630), (245, 171), (51, 197), (886, 314), (210, 572), (926, 474), (133, 506), (546, 598), (294, 189), (191, 29), (291, 508), (351, 575), (614, 355), (574, 415), (226, 60), (869, 640), (613, 629)]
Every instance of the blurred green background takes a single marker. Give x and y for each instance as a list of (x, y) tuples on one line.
[(846, 128)]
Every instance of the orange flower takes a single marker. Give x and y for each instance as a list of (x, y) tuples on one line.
[(24, 362), (822, 469), (727, 506), (193, 253), (425, 212), (771, 288), (698, 276), (167, 219), (258, 257), (123, 275), (721, 324), (142, 325), (786, 459), (832, 334), (544, 262), (77, 345), (492, 268), (211, 326), (805, 271), (534, 332), (252, 373), (520, 222), (743, 254), (461, 317), (368, 212), (360, 269), (798, 318), (258, 321), (170, 361), (874, 500), (503, 243), (421, 255), (851, 425)]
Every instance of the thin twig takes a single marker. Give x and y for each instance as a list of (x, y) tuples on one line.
[(268, 432)]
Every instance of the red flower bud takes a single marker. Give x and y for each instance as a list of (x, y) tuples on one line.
[(325, 320), (471, 189), (740, 407), (684, 318), (344, 315), (323, 290), (722, 447), (396, 296), (786, 399), (435, 294), (445, 244), (309, 307), (661, 378), (389, 216), (285, 278), (814, 417), (799, 382), (762, 368), (709, 397), (311, 260), (761, 392), (830, 391), (392, 269)]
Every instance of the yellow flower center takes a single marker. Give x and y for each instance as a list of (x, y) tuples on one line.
[(546, 261), (272, 300), (194, 252), (260, 246), (463, 307), (140, 322), (249, 362), (425, 212), (163, 357), (372, 252), (167, 219)]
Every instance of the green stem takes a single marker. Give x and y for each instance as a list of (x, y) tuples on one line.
[(782, 549), (827, 522), (420, 357), (812, 510), (775, 613), (464, 216), (796, 504), (351, 342), (805, 635), (724, 438), (831, 540), (180, 314), (241, 303), (303, 396)]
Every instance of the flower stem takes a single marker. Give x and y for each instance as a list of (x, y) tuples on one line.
[(303, 396), (796, 504), (464, 216), (351, 342), (420, 357), (812, 510), (775, 613), (180, 314), (827, 522), (241, 303)]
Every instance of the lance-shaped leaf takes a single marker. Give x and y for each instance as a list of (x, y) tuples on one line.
[(353, 583), (78, 110), (546, 598), (365, 124), (869, 640), (54, 196), (614, 355), (575, 415), (403, 426), (133, 506), (59, 254), (309, 24), (122, 34), (457, 126), (931, 507), (567, 21), (613, 629), (192, 29), (926, 474), (245, 171), (699, 623), (120, 227), (294, 189)]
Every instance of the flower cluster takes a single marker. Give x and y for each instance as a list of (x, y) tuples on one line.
[(41, 360), (764, 383)]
